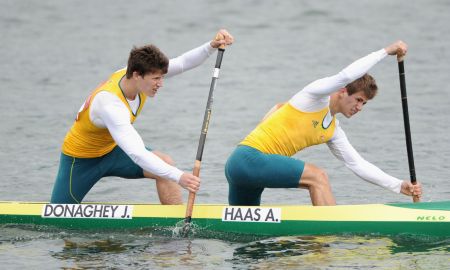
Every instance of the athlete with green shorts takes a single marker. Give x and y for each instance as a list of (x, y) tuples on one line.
[(103, 142), (264, 158)]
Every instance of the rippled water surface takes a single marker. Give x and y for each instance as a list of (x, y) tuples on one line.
[(54, 52)]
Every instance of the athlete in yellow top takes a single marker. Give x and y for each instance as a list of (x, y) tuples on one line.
[(102, 141), (263, 159)]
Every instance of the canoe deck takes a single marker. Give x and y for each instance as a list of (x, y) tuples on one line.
[(428, 218)]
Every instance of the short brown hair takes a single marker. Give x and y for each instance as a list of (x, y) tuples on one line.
[(366, 84), (146, 59)]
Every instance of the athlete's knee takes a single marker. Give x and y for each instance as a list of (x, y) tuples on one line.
[(166, 158), (322, 178), (169, 192), (314, 177), (173, 199)]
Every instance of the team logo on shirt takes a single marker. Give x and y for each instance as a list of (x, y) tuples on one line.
[(315, 123)]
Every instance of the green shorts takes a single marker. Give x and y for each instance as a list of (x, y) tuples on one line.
[(249, 171), (76, 176)]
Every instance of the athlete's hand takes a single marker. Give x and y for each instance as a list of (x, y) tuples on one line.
[(189, 182), (398, 48), (222, 38), (410, 189)]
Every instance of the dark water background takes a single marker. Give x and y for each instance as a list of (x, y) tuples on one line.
[(53, 53)]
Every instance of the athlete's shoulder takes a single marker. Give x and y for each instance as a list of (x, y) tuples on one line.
[(118, 74)]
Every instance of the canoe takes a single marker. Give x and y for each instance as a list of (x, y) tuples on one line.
[(426, 218)]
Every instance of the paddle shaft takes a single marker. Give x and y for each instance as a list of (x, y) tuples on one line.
[(412, 170), (204, 131)]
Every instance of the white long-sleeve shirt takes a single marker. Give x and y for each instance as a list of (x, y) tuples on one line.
[(316, 96), (108, 111)]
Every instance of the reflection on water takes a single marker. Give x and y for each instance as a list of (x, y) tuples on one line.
[(354, 252), (420, 244), (90, 253), (141, 250), (279, 247), (160, 248), (107, 245)]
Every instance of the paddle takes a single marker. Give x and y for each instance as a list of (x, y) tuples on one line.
[(201, 143), (412, 170)]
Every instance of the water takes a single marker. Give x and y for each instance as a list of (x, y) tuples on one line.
[(53, 53), (37, 248)]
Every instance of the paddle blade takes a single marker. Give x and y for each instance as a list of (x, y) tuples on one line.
[(186, 227)]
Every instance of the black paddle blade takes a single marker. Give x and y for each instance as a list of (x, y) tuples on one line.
[(186, 227)]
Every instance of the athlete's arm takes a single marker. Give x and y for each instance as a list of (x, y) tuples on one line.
[(315, 95), (190, 59), (197, 56), (108, 111), (343, 150)]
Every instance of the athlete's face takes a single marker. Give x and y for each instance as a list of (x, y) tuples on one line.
[(352, 104), (150, 83)]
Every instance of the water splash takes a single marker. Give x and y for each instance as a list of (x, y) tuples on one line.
[(183, 229)]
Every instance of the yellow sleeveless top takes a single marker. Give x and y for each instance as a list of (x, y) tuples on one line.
[(84, 139), (289, 130)]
